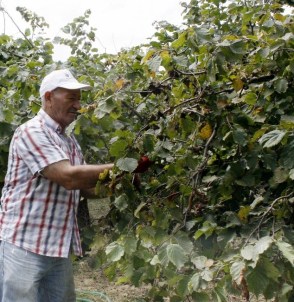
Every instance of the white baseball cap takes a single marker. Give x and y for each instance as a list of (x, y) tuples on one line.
[(62, 78)]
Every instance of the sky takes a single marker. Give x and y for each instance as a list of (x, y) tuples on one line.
[(119, 23)]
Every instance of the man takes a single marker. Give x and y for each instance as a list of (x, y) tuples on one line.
[(46, 174)]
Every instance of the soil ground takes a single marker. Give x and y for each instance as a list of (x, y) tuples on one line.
[(91, 283)]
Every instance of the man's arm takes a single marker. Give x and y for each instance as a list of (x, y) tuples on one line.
[(80, 177)]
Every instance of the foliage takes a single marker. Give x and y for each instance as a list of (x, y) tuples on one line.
[(211, 105)]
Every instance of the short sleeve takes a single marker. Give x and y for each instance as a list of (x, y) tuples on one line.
[(38, 148)]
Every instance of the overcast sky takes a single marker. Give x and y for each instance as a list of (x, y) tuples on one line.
[(119, 23)]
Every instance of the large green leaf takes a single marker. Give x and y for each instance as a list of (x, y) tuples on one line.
[(114, 251), (272, 138), (176, 255), (121, 202), (281, 85), (287, 250), (236, 270), (130, 245), (253, 252), (257, 281), (180, 41), (195, 282), (154, 63), (127, 164)]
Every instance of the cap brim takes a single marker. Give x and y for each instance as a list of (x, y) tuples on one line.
[(73, 86)]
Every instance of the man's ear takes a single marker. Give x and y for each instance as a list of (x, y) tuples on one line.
[(47, 95), (47, 100)]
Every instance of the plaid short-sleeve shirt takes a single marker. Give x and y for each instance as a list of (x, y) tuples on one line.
[(37, 214)]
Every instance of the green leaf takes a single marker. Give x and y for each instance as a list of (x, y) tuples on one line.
[(121, 202), (203, 35), (12, 70), (66, 29), (287, 250), (181, 61), (219, 294), (249, 252), (238, 47), (257, 281), (130, 245), (280, 175), (203, 297), (269, 269), (27, 32), (272, 138), (281, 85), (114, 251), (286, 289), (207, 275), (236, 271), (127, 164), (199, 262), (287, 122), (240, 136), (250, 98), (118, 147), (176, 255), (184, 241), (211, 69), (180, 41), (263, 244), (195, 282), (252, 252), (287, 155), (182, 286), (149, 142), (154, 63), (104, 107), (166, 58), (291, 174), (162, 257), (207, 229), (243, 213), (138, 209)]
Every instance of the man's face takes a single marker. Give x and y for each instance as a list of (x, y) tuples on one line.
[(62, 105)]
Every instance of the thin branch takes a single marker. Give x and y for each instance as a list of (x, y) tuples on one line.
[(264, 215), (4, 20), (133, 110), (36, 103), (184, 102), (209, 141), (193, 111), (140, 91), (192, 73), (18, 28)]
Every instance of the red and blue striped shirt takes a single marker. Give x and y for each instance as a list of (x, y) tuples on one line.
[(37, 214)]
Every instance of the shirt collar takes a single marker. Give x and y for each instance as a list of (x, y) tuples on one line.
[(48, 121)]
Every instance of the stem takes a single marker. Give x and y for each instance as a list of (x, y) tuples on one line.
[(264, 215), (18, 27)]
